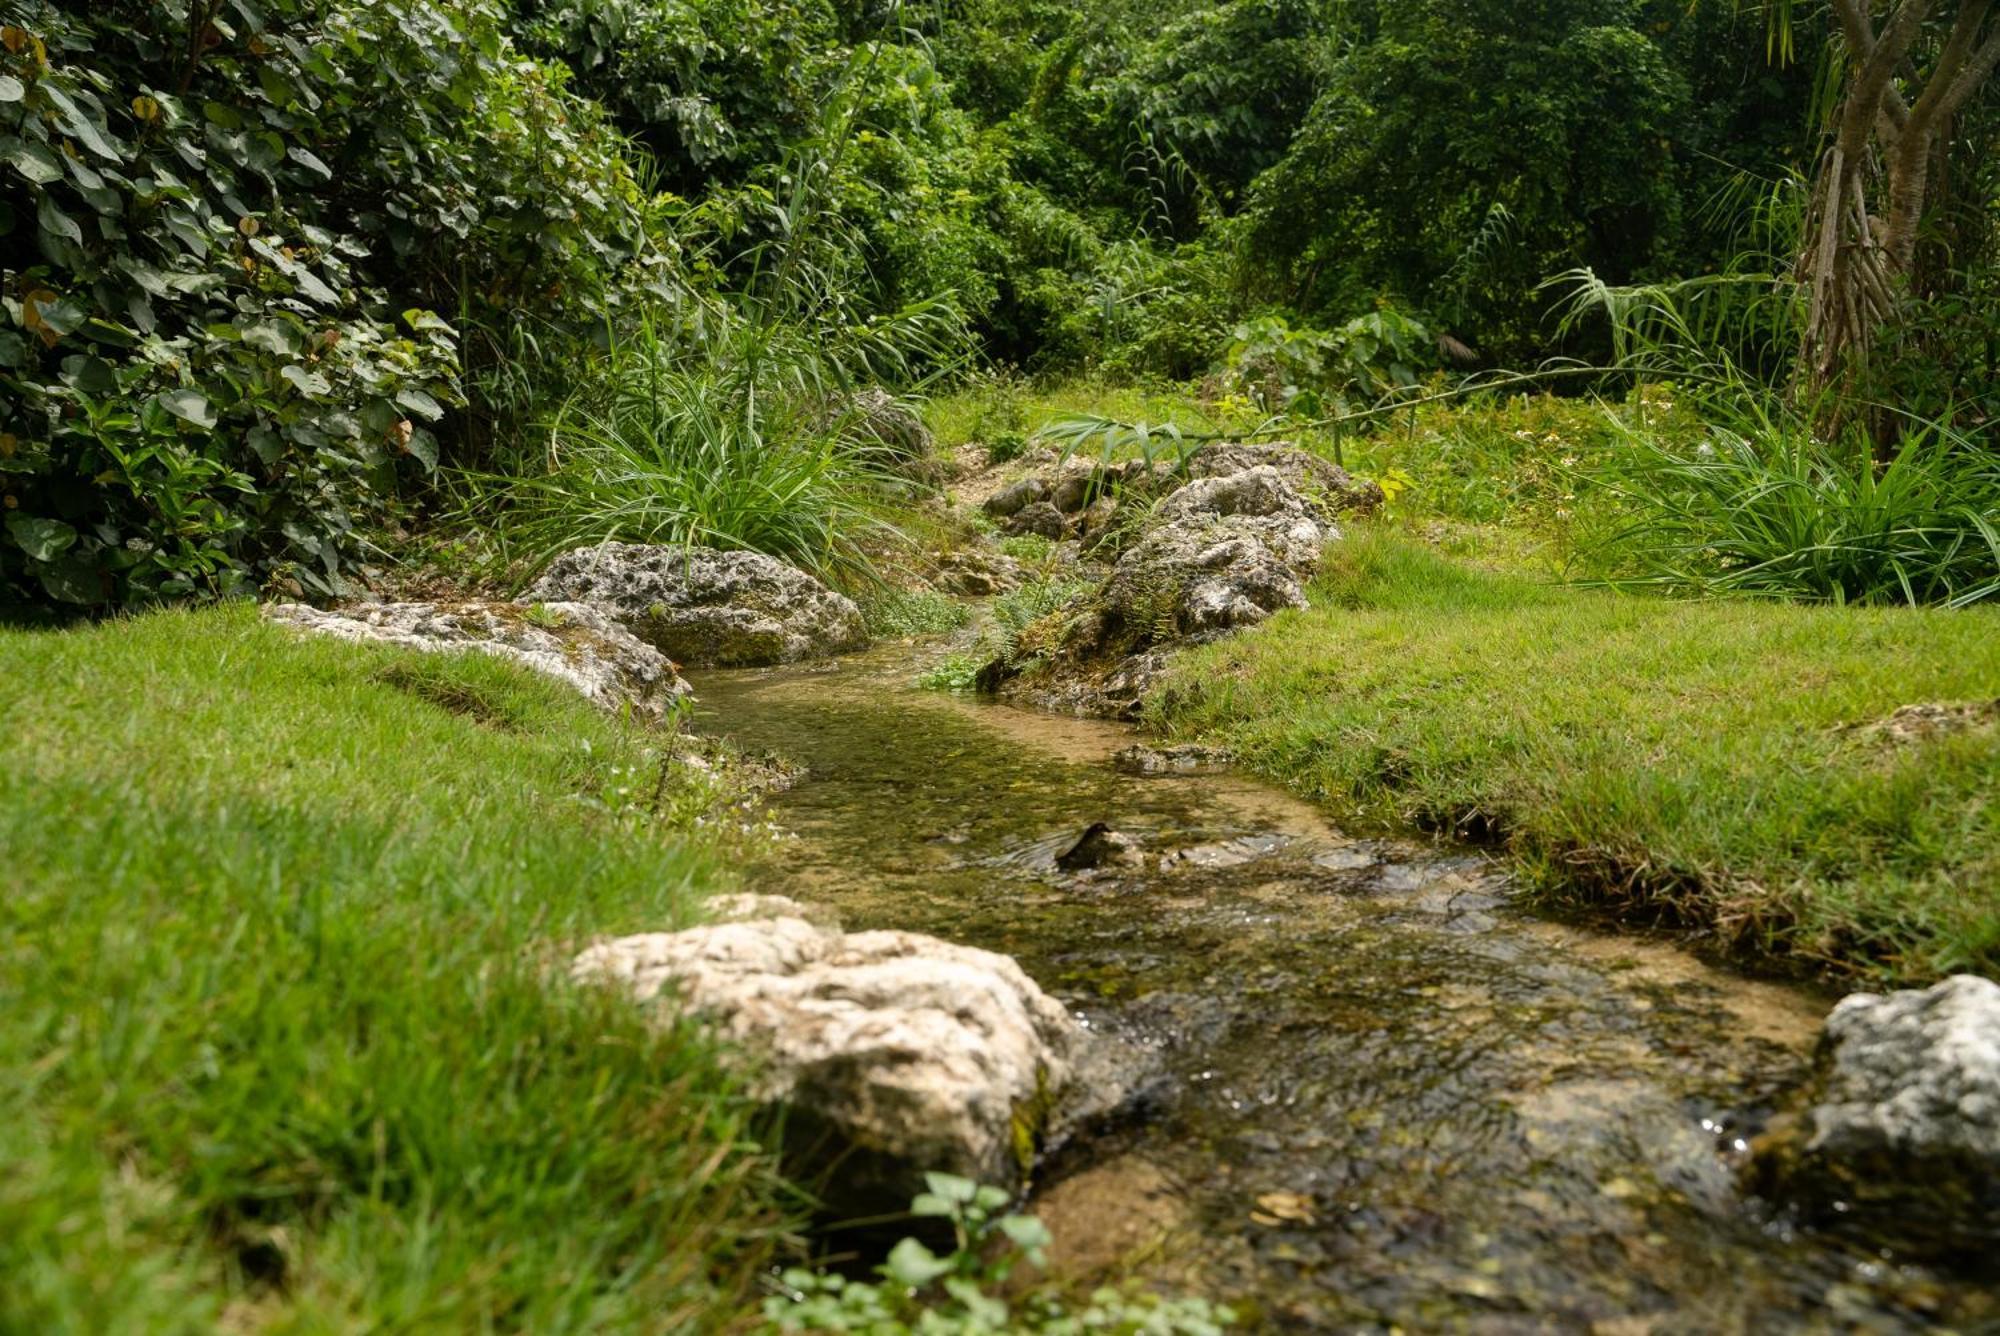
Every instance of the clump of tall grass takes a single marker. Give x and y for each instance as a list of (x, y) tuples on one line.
[(738, 440), (1778, 514), (1773, 503)]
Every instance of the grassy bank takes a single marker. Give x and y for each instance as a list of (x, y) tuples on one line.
[(276, 1044), (1697, 761)]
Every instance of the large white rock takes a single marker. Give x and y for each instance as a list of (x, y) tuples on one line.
[(572, 642), (708, 607), (1902, 1127), (893, 1053)]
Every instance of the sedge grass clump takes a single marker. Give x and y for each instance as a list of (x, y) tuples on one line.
[(738, 442), (1772, 512), (285, 1038)]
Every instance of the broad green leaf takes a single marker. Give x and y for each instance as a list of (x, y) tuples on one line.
[(1026, 1231), (72, 580), (37, 162), (41, 539), (92, 375), (911, 1263), (423, 448), (189, 405), (952, 1188), (12, 89), (310, 161), (55, 221), (420, 403), (308, 383)]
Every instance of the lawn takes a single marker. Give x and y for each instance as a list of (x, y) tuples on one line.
[(1702, 763), (279, 1046)]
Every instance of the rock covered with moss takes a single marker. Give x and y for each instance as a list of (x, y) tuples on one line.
[(708, 607), (572, 642), (1900, 1130), (893, 1053)]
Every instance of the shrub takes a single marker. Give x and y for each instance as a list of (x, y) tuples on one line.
[(218, 358)]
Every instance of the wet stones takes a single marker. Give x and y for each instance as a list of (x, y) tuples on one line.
[(1187, 758), (1097, 847), (708, 607), (574, 643), (893, 1053), (1899, 1129)]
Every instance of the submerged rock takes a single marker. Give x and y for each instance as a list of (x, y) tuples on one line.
[(572, 642), (1185, 758), (894, 1053), (708, 607), (1098, 846), (1900, 1132)]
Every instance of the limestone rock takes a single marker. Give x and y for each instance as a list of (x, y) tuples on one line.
[(893, 1052), (1223, 552), (573, 642), (1320, 480), (975, 573), (1016, 497), (1901, 1128), (883, 424), (1038, 517), (708, 607)]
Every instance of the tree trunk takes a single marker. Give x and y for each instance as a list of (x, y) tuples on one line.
[(1857, 260)]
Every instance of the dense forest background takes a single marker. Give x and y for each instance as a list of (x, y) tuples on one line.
[(275, 271)]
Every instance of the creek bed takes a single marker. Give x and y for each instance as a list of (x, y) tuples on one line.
[(1390, 1097)]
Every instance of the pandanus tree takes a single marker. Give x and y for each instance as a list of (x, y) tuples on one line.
[(1906, 70)]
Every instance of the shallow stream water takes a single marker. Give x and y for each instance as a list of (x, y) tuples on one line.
[(1391, 1099)]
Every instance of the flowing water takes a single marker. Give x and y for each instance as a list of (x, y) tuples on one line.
[(1391, 1099)]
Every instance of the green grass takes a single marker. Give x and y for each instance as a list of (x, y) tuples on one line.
[(1688, 760), (279, 1045)]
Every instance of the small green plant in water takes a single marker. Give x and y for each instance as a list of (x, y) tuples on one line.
[(959, 1293), (960, 672)]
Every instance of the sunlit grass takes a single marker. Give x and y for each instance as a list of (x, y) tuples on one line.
[(1698, 761), (279, 1041)]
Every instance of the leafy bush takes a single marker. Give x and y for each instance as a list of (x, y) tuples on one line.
[(221, 355), (963, 1292), (1306, 372)]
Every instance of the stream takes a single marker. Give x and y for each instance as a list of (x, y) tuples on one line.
[(1392, 1099)]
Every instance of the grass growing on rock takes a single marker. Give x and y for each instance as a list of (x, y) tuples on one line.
[(1709, 763), (278, 1045)]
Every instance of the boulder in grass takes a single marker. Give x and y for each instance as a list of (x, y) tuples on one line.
[(707, 607), (572, 642), (892, 1053)]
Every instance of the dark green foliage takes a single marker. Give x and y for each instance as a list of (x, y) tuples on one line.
[(1462, 151), (231, 232)]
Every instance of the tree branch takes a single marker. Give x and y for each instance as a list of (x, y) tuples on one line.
[(1950, 65), (1870, 84)]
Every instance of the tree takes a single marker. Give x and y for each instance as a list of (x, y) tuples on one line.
[(1908, 68)]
